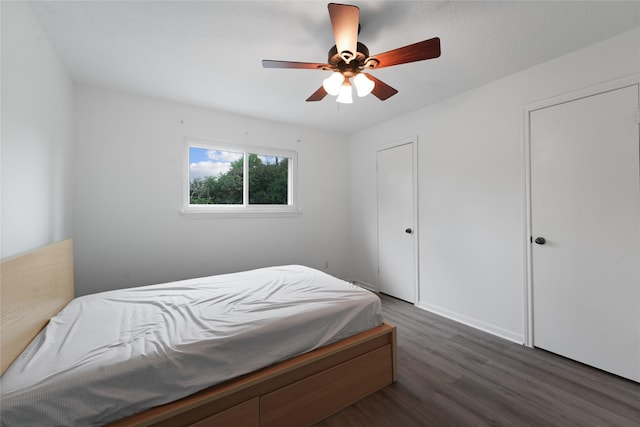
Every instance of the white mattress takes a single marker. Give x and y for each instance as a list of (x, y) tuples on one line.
[(112, 354)]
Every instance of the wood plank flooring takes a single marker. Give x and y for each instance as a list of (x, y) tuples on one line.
[(453, 375)]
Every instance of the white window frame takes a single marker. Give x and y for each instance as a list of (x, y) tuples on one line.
[(245, 209)]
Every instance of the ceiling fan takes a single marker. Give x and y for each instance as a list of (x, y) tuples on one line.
[(349, 58)]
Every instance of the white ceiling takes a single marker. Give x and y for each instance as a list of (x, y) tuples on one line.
[(208, 53)]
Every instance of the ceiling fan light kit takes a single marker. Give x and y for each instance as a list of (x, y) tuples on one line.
[(338, 85), (348, 67)]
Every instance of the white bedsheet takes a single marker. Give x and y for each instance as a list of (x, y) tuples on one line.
[(112, 354)]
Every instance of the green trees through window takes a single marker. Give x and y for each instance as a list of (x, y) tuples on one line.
[(217, 179), (268, 180)]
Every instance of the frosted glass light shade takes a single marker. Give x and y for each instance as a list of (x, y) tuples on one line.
[(363, 85), (345, 96), (332, 83)]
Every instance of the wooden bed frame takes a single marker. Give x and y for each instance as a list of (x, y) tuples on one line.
[(299, 391)]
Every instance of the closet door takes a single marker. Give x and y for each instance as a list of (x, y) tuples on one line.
[(585, 221), (396, 221)]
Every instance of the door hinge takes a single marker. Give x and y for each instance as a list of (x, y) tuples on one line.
[(638, 116)]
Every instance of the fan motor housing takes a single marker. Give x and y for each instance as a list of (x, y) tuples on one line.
[(354, 66)]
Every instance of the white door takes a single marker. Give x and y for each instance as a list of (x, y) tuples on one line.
[(396, 222), (585, 203)]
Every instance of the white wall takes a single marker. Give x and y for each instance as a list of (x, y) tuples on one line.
[(471, 244), (129, 170), (37, 135)]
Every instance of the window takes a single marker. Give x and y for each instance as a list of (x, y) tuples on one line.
[(224, 178)]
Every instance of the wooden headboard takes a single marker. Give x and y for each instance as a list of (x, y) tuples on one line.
[(33, 287)]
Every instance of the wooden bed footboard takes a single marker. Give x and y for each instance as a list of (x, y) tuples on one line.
[(297, 392)]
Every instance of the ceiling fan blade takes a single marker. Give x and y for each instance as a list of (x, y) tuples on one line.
[(267, 63), (420, 51), (317, 95), (381, 90), (344, 21)]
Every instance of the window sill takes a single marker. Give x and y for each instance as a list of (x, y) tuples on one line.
[(205, 213)]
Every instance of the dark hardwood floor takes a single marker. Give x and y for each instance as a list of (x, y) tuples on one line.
[(453, 375)]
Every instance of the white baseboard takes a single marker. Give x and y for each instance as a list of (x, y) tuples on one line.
[(365, 285), (474, 323)]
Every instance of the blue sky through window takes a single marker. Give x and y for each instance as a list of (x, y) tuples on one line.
[(205, 162)]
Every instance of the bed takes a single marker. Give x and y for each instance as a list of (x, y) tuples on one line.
[(334, 357)]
